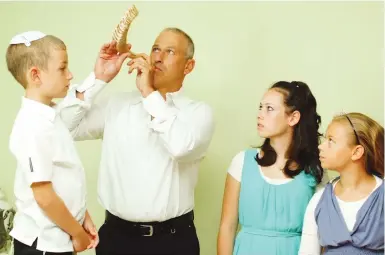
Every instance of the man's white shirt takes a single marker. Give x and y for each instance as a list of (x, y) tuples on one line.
[(149, 166)]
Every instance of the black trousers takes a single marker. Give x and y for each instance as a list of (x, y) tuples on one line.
[(173, 237), (22, 249)]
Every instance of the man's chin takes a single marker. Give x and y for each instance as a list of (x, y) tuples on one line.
[(158, 83), (158, 74)]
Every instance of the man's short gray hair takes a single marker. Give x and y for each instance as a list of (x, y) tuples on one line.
[(190, 43)]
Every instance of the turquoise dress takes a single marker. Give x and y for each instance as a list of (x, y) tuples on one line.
[(271, 216)]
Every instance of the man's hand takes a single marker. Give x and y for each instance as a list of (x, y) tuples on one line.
[(109, 62), (145, 74), (90, 229)]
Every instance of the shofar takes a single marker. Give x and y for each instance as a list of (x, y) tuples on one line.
[(120, 32)]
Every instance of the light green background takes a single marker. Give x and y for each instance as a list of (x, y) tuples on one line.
[(241, 49)]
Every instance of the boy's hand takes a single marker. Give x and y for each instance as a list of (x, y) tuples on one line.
[(109, 62), (81, 241), (90, 229), (55, 209)]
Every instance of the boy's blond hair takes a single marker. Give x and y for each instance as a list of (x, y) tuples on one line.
[(21, 57)]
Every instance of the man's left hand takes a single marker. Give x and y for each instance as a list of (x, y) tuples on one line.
[(145, 74)]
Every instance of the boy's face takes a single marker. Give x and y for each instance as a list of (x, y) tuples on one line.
[(55, 80)]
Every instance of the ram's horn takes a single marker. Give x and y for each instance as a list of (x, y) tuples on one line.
[(120, 32)]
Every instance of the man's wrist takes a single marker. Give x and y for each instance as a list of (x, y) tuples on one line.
[(102, 78), (147, 91)]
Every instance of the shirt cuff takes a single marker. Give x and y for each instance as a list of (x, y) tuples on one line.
[(91, 87), (91, 93), (155, 105), (71, 100)]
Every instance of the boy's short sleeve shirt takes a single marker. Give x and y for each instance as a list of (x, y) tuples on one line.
[(45, 152)]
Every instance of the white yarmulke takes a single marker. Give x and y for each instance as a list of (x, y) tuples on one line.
[(27, 37)]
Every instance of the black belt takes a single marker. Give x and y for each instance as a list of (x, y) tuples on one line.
[(170, 226)]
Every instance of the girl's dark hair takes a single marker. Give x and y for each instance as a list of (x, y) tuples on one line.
[(303, 150)]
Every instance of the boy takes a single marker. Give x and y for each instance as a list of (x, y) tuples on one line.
[(50, 190)]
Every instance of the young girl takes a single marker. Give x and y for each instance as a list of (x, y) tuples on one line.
[(268, 189), (347, 216)]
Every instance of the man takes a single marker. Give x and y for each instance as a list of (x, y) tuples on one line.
[(153, 143)]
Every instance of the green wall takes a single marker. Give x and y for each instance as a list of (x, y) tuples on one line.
[(241, 49)]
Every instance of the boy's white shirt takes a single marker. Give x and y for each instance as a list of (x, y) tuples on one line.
[(45, 151)]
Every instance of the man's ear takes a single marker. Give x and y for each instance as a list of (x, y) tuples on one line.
[(189, 66)]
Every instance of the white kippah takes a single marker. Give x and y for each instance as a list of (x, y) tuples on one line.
[(27, 37)]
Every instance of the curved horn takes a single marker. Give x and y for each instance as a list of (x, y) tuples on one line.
[(120, 32)]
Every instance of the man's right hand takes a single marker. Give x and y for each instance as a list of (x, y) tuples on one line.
[(109, 62), (81, 241)]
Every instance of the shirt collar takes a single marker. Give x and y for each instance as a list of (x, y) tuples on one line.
[(169, 97), (175, 94), (39, 108)]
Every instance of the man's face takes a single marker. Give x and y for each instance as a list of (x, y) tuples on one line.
[(168, 56)]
